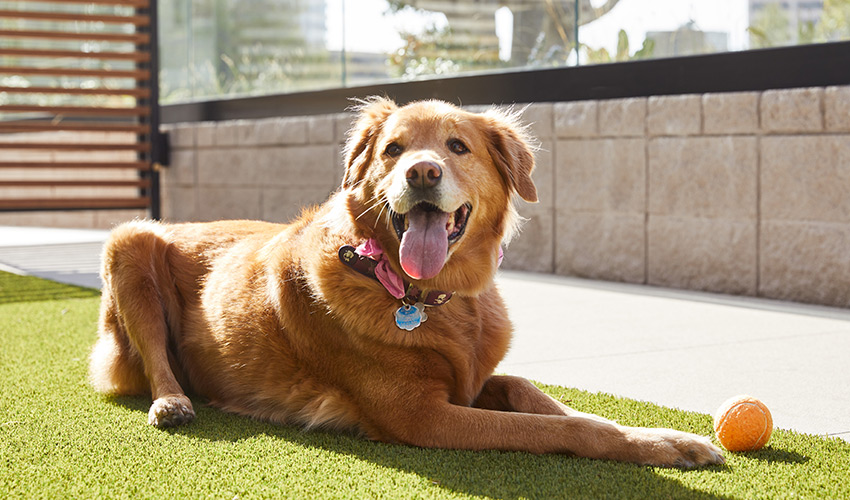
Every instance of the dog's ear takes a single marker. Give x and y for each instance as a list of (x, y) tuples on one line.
[(359, 148), (511, 152)]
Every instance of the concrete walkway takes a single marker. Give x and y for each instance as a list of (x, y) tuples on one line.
[(679, 349), (64, 255)]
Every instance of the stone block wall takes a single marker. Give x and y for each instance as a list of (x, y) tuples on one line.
[(739, 193), (259, 169)]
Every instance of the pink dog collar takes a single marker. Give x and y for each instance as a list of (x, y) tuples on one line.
[(369, 260)]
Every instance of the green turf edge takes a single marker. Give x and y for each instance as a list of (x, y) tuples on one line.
[(18, 288), (60, 439)]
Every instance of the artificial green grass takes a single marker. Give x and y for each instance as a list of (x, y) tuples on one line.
[(16, 288), (59, 439)]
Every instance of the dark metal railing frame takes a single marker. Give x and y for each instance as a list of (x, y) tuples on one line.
[(158, 141)]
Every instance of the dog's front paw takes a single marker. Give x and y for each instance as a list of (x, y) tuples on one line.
[(170, 411), (671, 448)]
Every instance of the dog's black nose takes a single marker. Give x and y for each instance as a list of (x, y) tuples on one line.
[(424, 174)]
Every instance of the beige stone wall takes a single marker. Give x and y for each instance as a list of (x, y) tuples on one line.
[(738, 193), (261, 169)]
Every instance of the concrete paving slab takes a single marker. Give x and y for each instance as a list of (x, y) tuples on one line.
[(71, 263), (683, 349), (15, 236)]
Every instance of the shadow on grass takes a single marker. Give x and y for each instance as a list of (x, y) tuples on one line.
[(138, 403), (493, 474), (770, 454)]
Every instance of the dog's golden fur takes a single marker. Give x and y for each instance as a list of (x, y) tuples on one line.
[(264, 320)]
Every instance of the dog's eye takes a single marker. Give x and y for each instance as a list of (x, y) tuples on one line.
[(457, 147), (393, 150)]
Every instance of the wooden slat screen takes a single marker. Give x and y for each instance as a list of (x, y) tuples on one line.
[(78, 111)]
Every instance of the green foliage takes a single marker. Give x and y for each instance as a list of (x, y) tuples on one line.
[(772, 27), (834, 24), (429, 53), (601, 55), (59, 439)]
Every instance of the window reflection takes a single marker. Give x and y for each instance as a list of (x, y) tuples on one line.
[(211, 48), (220, 47)]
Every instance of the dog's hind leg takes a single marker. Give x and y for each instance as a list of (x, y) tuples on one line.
[(508, 393), (115, 366), (137, 286)]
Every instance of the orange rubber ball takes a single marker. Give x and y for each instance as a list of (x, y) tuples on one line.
[(743, 423)]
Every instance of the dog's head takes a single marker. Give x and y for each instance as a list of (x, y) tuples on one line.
[(436, 184)]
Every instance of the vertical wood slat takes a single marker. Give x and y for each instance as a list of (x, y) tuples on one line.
[(30, 119)]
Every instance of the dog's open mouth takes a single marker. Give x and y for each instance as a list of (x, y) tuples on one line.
[(426, 232)]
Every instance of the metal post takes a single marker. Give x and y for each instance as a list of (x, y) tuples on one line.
[(156, 155), (342, 50), (575, 32)]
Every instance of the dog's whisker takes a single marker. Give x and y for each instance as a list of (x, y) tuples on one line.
[(369, 208), (385, 203), (375, 225), (385, 206)]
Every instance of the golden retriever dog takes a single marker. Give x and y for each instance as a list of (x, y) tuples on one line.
[(375, 313)]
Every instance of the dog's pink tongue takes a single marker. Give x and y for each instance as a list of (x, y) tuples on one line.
[(425, 244)]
